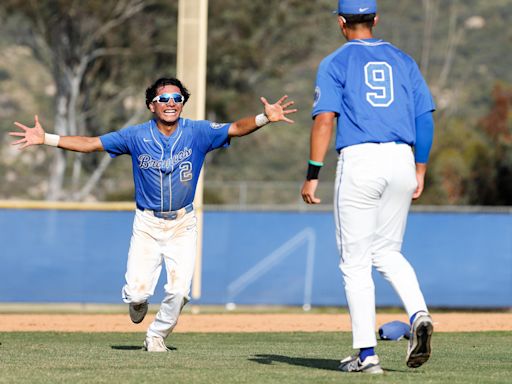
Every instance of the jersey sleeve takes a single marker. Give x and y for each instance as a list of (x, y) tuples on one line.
[(423, 101), (212, 135), (117, 143), (328, 90), (424, 137)]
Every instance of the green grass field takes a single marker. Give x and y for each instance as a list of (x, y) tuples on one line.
[(49, 357)]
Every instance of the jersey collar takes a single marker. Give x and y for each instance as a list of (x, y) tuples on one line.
[(372, 40), (163, 137)]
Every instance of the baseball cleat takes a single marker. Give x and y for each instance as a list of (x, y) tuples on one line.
[(419, 349), (155, 344), (353, 364), (138, 311)]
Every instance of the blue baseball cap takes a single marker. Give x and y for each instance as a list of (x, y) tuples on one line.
[(357, 7), (394, 330)]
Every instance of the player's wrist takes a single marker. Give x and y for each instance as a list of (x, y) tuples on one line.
[(313, 169), (261, 120), (51, 139)]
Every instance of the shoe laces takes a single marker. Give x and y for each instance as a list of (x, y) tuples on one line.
[(354, 365)]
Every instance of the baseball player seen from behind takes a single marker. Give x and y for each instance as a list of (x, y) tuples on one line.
[(383, 109), (167, 154)]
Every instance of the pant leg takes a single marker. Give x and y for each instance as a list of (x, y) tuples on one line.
[(179, 254), (387, 256), (144, 260), (359, 186)]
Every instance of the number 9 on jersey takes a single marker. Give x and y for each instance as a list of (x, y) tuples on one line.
[(378, 76)]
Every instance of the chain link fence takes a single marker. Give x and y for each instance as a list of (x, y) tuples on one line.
[(285, 196)]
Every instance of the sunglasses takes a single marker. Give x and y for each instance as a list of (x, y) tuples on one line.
[(164, 98)]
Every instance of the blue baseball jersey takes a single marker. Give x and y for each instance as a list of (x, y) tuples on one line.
[(166, 169), (376, 91)]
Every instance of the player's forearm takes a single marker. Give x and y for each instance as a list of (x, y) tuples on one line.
[(80, 143), (321, 133), (319, 143), (245, 126)]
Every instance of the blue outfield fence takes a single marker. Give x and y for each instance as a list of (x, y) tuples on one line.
[(274, 258)]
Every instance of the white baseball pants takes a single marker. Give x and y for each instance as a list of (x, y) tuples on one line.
[(155, 240), (373, 191)]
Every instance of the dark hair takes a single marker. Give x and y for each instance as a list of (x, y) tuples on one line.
[(353, 20), (162, 82)]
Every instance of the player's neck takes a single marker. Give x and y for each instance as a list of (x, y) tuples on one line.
[(358, 34), (166, 128)]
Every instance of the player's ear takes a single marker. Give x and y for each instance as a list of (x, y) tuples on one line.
[(375, 20), (152, 107), (341, 21)]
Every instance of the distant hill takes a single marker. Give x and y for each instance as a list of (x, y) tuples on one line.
[(272, 48)]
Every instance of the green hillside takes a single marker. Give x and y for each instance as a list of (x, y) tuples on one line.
[(254, 49)]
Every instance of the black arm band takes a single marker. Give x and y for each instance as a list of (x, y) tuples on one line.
[(313, 171)]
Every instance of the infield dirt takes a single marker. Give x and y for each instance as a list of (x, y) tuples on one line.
[(251, 322)]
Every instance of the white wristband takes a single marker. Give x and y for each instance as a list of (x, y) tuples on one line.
[(261, 120), (50, 139)]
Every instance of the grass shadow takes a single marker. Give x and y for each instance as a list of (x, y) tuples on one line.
[(127, 347), (135, 347), (326, 364)]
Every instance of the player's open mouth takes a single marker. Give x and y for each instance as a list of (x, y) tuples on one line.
[(170, 112)]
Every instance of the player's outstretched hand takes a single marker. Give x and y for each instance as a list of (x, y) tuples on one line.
[(308, 192), (29, 136), (278, 111)]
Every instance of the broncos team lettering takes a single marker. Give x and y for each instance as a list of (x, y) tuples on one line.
[(146, 161)]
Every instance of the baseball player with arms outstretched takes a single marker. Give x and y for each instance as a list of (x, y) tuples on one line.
[(383, 109), (167, 155)]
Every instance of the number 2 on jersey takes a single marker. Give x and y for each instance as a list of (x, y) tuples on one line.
[(185, 171), (378, 75)]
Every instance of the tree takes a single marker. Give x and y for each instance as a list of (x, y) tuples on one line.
[(493, 173), (255, 48), (255, 42), (263, 48), (90, 49)]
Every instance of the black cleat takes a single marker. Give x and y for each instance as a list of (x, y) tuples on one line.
[(138, 311)]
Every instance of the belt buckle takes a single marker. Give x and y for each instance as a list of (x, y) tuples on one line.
[(170, 215)]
